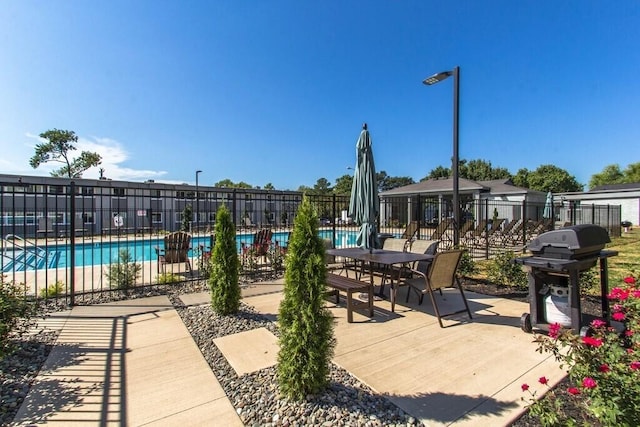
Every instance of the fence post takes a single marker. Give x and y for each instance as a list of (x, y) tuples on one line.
[(486, 231), (72, 244), (524, 224)]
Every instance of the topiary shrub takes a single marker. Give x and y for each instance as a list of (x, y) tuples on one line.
[(124, 272), (224, 284), (306, 326)]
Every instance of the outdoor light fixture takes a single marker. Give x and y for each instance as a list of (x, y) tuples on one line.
[(456, 108), (197, 204)]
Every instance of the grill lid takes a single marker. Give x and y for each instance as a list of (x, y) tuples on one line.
[(571, 242)]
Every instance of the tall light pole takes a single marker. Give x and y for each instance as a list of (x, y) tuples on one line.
[(197, 201), (456, 109)]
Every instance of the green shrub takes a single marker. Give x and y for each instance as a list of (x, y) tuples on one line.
[(53, 290), (467, 267), (306, 326), (123, 273), (224, 279), (168, 278), (276, 255), (502, 270), (15, 312)]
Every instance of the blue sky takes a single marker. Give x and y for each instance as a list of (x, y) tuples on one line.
[(277, 91)]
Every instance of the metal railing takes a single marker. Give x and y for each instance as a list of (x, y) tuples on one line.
[(75, 232)]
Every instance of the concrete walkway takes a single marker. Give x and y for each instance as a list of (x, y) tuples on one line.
[(134, 363)]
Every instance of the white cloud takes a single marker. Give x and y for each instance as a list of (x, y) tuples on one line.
[(16, 160)]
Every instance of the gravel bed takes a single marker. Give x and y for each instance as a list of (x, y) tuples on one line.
[(346, 402)]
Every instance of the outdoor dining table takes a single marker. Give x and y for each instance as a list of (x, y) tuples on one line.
[(383, 257)]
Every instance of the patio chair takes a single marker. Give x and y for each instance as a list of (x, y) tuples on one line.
[(390, 244), (418, 247), (489, 234), (411, 231), (333, 265), (440, 233), (260, 244), (441, 275), (466, 228), (175, 251)]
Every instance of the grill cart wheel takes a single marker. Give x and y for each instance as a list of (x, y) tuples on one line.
[(525, 323)]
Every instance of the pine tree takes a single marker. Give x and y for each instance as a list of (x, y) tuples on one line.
[(306, 327), (225, 288)]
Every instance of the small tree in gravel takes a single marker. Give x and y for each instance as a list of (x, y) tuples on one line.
[(306, 327), (225, 288)]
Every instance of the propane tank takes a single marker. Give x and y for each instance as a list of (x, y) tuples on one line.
[(556, 306)]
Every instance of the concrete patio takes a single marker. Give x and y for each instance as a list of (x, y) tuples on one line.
[(134, 362)]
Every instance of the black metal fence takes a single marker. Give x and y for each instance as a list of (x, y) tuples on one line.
[(61, 237)]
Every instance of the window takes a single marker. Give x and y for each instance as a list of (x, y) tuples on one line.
[(87, 217), (58, 218), (87, 191), (56, 189), (180, 195), (155, 194), (156, 217), (212, 217), (118, 192)]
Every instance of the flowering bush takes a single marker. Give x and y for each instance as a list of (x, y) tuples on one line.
[(603, 367)]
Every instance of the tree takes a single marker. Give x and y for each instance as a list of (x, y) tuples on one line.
[(439, 172), (306, 326), (60, 143), (227, 183), (482, 170), (475, 170), (269, 186), (186, 218), (343, 185), (395, 182), (611, 174), (521, 178), (547, 178), (322, 186), (632, 173), (223, 282)]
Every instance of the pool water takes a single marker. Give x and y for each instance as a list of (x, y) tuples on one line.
[(140, 250)]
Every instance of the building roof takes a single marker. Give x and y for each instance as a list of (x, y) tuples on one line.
[(616, 187), (445, 185)]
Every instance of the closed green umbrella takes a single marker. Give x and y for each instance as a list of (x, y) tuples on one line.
[(364, 204)]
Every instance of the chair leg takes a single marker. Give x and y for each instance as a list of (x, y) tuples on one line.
[(435, 306), (464, 299)]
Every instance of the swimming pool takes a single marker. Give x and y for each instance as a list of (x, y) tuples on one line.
[(141, 250)]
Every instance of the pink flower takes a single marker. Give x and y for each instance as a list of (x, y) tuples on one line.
[(617, 293), (598, 323), (636, 293), (604, 368), (635, 366), (589, 382), (630, 280), (573, 390), (593, 342), (618, 316), (628, 333), (525, 387), (543, 380), (554, 330)]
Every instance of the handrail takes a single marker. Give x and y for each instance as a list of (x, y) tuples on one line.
[(26, 245)]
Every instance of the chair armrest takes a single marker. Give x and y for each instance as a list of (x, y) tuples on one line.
[(159, 250)]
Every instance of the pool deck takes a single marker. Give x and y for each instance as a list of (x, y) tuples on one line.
[(134, 362)]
